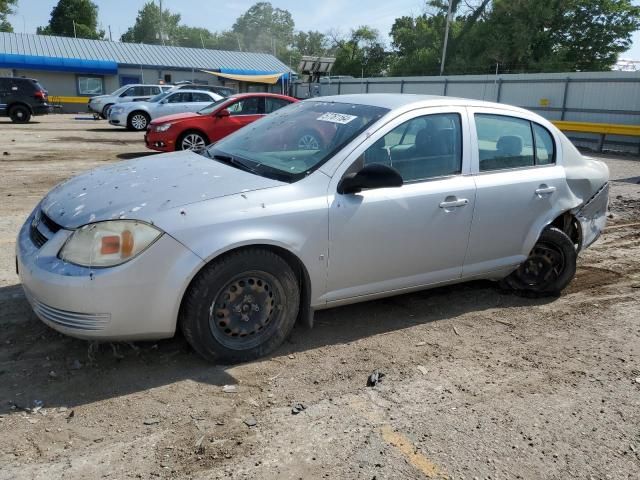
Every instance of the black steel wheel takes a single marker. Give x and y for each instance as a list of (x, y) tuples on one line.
[(241, 306), (550, 267), (20, 114)]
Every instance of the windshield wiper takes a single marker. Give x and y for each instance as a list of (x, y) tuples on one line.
[(235, 162)]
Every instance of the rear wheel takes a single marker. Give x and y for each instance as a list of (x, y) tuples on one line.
[(19, 114), (193, 141), (550, 267), (241, 306), (138, 121)]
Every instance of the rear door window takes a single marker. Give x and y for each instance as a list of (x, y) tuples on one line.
[(273, 104), (545, 147), (504, 142)]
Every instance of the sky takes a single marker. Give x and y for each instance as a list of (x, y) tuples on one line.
[(322, 15)]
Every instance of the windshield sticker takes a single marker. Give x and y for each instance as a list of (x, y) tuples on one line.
[(341, 118)]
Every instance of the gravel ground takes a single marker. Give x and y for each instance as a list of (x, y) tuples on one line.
[(478, 383)]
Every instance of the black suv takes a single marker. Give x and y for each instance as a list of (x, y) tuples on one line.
[(22, 97)]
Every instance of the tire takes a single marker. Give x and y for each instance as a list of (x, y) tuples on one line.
[(194, 141), (138, 121), (550, 267), (309, 140), (105, 111), (20, 114), (241, 306)]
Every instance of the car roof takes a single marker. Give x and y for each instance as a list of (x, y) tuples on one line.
[(394, 101), (186, 90)]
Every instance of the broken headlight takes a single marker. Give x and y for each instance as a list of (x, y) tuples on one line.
[(107, 244)]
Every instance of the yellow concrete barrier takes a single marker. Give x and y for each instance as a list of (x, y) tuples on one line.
[(599, 128), (60, 99)]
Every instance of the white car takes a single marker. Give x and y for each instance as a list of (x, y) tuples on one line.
[(137, 115), (404, 192), (100, 104)]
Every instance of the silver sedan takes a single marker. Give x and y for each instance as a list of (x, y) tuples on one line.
[(397, 193), (137, 115)]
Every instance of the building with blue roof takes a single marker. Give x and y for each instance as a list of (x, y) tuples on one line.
[(74, 69)]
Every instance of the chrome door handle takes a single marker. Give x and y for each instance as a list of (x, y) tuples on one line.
[(454, 203), (545, 190)]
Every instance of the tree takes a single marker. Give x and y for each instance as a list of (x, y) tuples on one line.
[(146, 28), (263, 28), (6, 9), (516, 36), (73, 18), (361, 54)]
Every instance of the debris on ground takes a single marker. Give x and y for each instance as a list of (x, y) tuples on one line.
[(199, 446), (250, 421), (422, 370), (297, 408), (151, 421), (374, 378), (230, 389)]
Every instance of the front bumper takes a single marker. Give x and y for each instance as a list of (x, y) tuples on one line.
[(118, 119), (138, 300), (159, 141)]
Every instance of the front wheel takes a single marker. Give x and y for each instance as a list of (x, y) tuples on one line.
[(241, 306), (192, 141), (138, 121), (20, 114), (550, 267)]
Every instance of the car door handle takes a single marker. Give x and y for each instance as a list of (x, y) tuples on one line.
[(454, 203), (544, 190)]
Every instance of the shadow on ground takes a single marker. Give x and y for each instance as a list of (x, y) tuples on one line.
[(38, 363)]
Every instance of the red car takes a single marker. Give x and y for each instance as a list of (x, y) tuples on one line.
[(194, 131)]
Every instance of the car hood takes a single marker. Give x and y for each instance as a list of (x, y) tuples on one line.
[(141, 188), (175, 118)]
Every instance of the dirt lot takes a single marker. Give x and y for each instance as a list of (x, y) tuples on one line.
[(478, 383)]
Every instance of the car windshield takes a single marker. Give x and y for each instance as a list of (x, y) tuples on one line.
[(158, 97), (117, 92), (212, 106), (295, 140)]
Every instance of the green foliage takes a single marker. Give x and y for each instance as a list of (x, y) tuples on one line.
[(146, 29), (516, 36), (6, 9), (83, 12), (361, 54)]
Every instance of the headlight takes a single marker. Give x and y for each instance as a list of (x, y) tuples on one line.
[(163, 127), (107, 244)]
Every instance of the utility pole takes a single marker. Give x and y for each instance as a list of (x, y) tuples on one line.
[(446, 38), (110, 37), (74, 29), (161, 36)]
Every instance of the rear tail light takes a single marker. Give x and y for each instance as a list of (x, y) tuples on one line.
[(41, 95)]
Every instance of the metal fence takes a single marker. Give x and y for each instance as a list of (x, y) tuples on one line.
[(602, 97)]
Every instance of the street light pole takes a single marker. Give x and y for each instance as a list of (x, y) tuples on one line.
[(446, 38)]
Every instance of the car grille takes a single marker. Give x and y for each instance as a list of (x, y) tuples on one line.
[(42, 228), (67, 319)]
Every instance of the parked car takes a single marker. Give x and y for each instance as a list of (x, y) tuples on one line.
[(137, 115), (21, 97), (233, 245), (224, 91), (101, 104), (194, 131)]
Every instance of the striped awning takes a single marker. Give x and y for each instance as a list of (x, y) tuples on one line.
[(246, 76)]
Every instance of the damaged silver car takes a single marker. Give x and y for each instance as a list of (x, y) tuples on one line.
[(397, 193)]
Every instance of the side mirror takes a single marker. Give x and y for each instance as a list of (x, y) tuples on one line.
[(371, 176), (223, 113)]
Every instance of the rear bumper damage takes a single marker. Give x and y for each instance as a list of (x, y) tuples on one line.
[(593, 216)]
